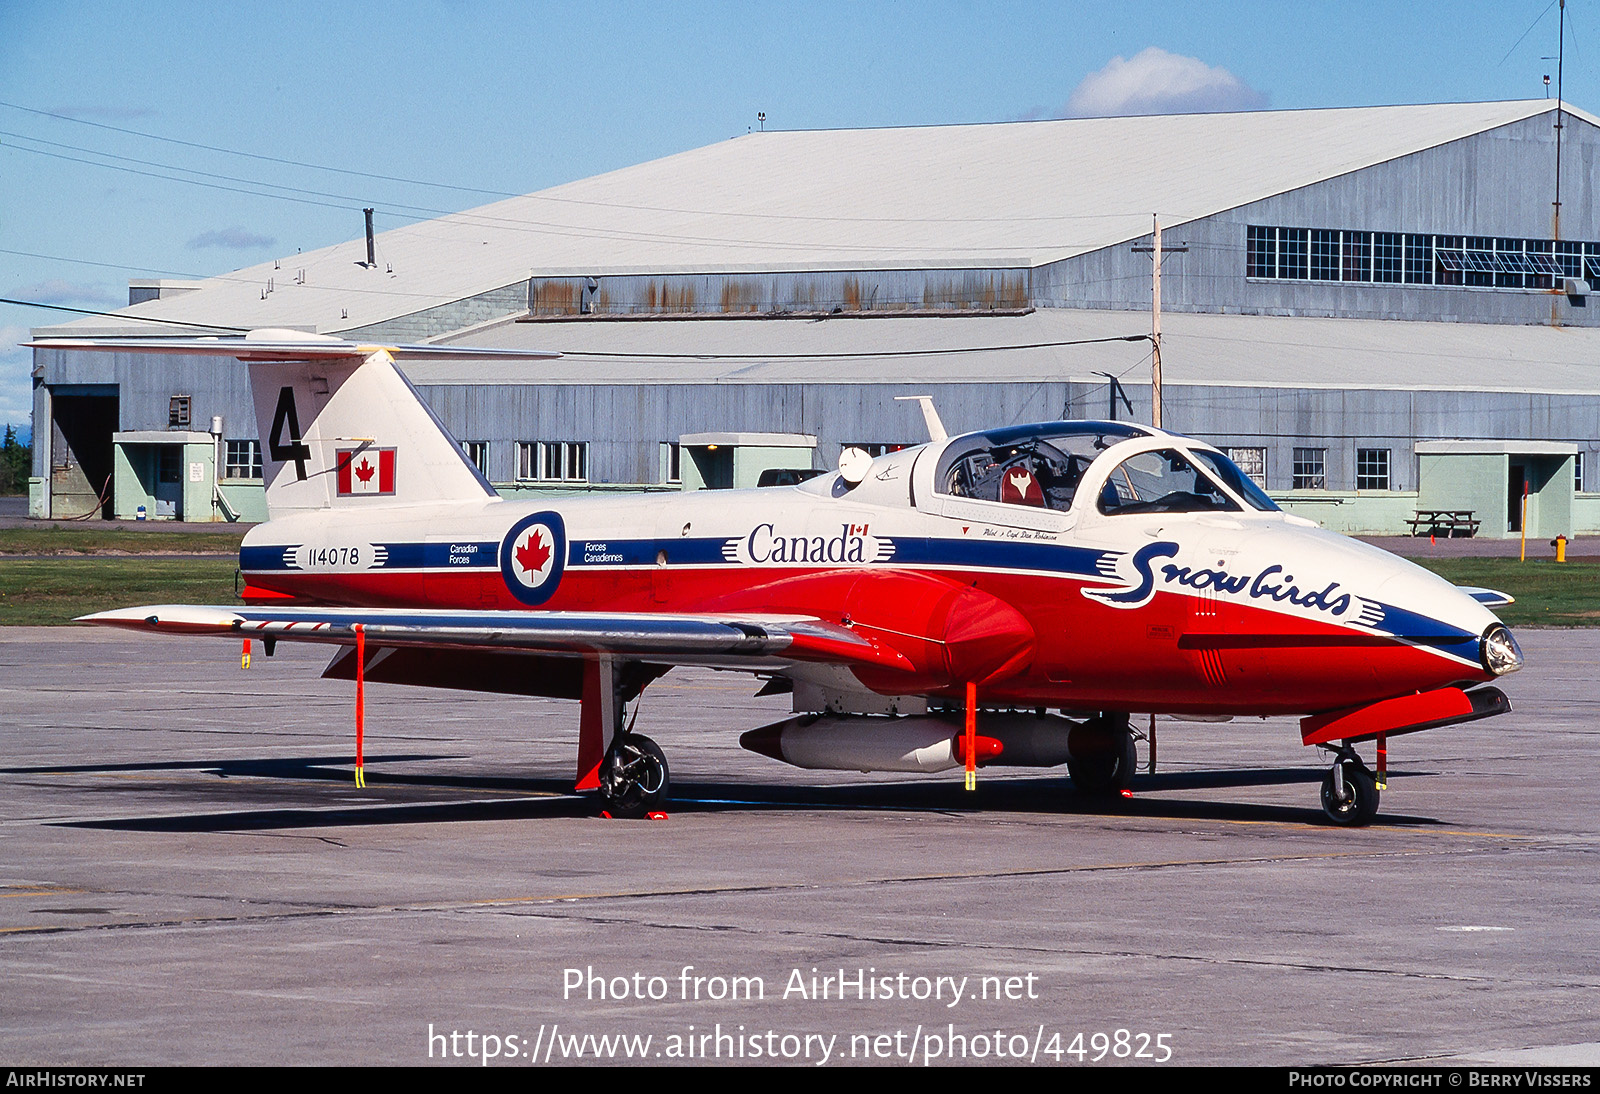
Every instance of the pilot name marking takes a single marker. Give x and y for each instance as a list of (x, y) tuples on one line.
[(1016, 533)]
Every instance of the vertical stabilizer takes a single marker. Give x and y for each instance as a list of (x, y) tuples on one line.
[(350, 432)]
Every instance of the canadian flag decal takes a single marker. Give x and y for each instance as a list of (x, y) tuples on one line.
[(365, 472)]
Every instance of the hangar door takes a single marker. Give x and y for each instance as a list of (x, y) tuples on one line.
[(81, 454)]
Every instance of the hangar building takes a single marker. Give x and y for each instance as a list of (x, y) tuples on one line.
[(1378, 311)]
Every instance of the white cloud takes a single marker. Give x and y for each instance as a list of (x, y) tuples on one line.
[(235, 238), (59, 291), (1157, 82)]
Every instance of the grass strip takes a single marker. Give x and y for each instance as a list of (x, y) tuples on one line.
[(56, 540), (53, 591), (1548, 593)]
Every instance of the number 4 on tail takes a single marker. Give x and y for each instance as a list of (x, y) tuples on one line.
[(296, 449)]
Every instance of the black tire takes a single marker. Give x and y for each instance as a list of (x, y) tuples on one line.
[(1101, 759), (634, 778), (1360, 802)]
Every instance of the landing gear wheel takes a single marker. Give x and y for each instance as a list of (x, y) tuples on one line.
[(633, 777), (1101, 756), (1359, 802)]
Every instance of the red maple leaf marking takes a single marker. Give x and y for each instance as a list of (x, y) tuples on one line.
[(364, 472), (533, 557)]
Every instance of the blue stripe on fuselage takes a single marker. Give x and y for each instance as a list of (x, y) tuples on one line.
[(708, 551), (1427, 631)]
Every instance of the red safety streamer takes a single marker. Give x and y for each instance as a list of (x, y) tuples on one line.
[(361, 700), (1383, 761), (972, 735)]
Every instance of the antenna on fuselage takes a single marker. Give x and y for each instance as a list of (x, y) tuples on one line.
[(930, 416)]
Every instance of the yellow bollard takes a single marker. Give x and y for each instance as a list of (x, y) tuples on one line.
[(1561, 548)]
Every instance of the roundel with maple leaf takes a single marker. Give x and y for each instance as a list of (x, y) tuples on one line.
[(532, 556)]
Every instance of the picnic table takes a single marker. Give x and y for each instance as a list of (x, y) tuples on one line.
[(1449, 523)]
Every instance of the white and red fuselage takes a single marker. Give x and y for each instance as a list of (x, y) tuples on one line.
[(1060, 598)]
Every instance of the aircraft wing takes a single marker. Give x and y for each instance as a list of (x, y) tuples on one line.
[(734, 641)]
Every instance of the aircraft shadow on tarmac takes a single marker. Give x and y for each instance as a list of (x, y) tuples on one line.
[(553, 798)]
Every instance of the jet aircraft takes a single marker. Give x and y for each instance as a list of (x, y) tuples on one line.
[(1013, 596)]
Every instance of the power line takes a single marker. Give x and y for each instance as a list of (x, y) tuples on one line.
[(568, 200), (854, 355), (482, 220), (120, 315), (257, 155)]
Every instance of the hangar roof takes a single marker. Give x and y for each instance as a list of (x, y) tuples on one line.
[(990, 195), (1197, 349)]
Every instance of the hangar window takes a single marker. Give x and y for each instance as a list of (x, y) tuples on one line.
[(478, 453), (178, 412), (1372, 469), (1419, 260), (1577, 473), (553, 461), (1392, 258), (1357, 256), (1293, 252), (671, 462), (1253, 462), (1569, 256), (1388, 257), (1262, 257), (243, 460), (1311, 469), (1324, 255)]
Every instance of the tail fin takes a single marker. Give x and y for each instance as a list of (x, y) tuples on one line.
[(340, 425), (353, 432)]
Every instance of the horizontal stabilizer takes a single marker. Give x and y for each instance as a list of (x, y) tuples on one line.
[(1489, 598)]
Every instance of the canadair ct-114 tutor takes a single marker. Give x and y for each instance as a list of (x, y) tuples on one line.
[(1015, 596)]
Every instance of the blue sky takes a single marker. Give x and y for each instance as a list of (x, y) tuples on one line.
[(513, 97)]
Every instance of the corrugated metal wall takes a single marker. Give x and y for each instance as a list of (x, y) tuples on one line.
[(1499, 183), (625, 424)]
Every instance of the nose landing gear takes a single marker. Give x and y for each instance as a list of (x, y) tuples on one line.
[(1101, 756), (1350, 790)]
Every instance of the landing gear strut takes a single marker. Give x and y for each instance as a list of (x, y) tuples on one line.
[(1350, 791), (626, 768), (1101, 755), (634, 779)]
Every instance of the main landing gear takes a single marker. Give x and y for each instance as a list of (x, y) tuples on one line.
[(634, 779), (626, 769), (1350, 790), (1101, 757)]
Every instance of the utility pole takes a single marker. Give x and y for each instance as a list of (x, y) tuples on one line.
[(1561, 48), (1155, 326), (1155, 251)]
